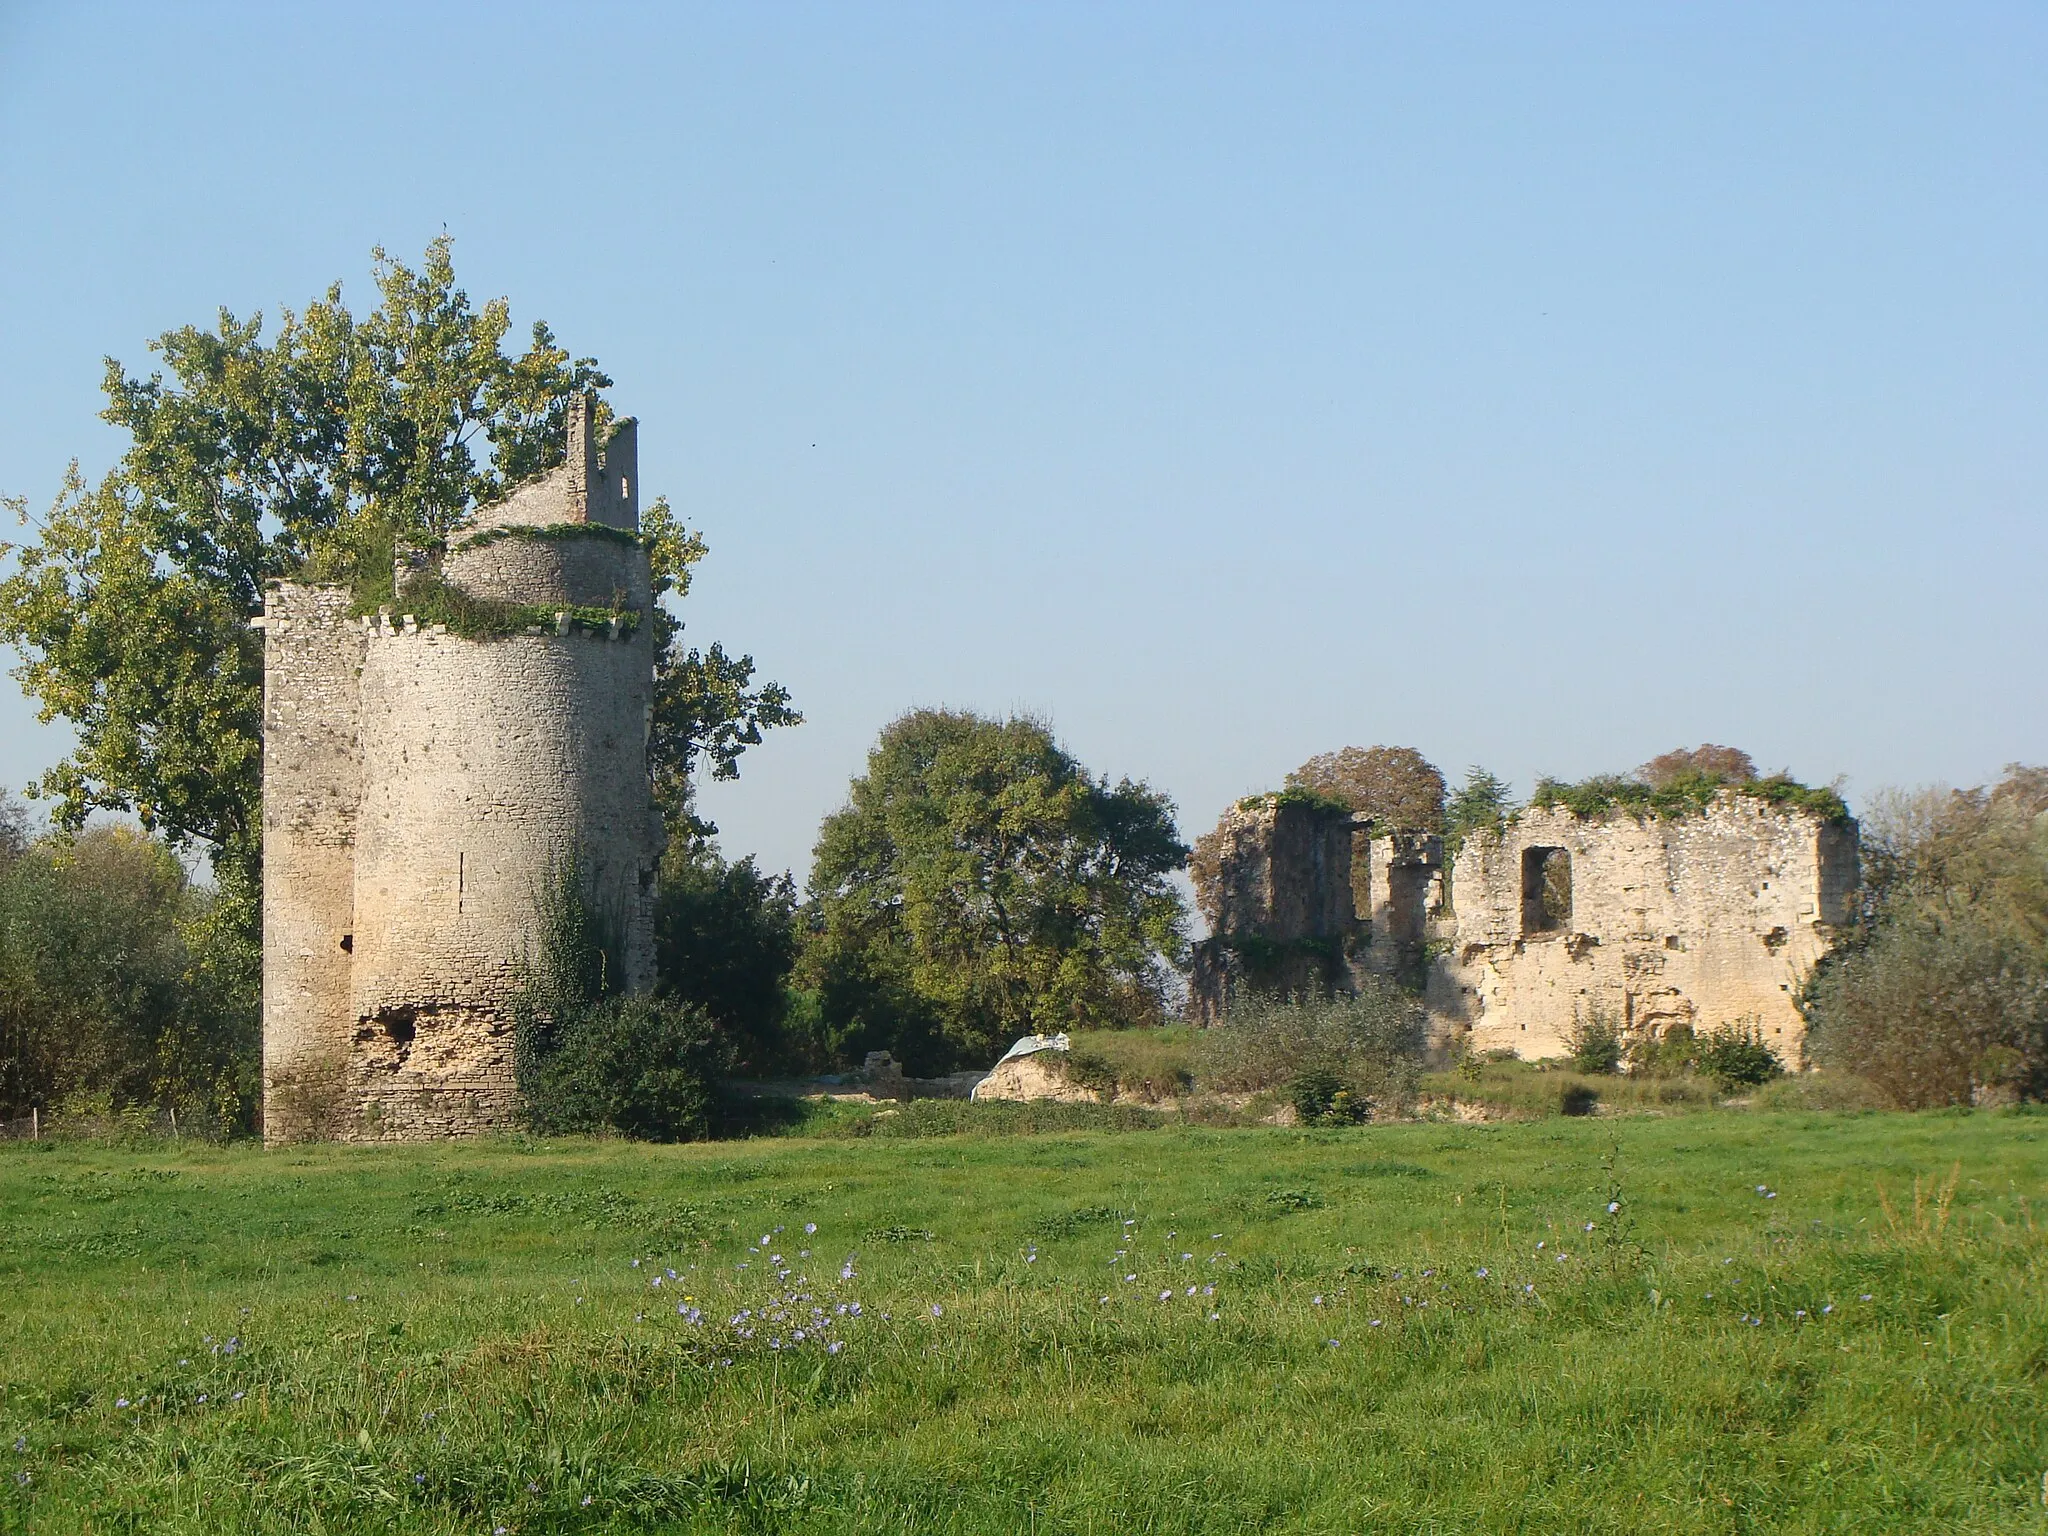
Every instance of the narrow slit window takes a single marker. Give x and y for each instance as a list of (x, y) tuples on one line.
[(1546, 890)]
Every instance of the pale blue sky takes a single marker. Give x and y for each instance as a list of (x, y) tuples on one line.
[(1541, 386)]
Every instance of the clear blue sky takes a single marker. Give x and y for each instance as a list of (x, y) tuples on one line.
[(1541, 386)]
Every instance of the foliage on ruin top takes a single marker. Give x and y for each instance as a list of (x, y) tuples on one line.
[(1688, 794), (548, 533), (1307, 799)]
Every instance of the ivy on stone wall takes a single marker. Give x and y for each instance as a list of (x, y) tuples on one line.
[(551, 533)]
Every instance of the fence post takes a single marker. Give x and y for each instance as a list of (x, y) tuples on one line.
[(35, 1123), (174, 1122)]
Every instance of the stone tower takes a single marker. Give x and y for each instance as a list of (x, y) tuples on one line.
[(424, 781)]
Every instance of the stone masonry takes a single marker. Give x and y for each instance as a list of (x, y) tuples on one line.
[(421, 787), (1712, 920), (1275, 882)]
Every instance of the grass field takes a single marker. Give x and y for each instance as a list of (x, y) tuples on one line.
[(1411, 1328)]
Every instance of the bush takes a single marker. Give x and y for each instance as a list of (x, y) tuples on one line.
[(1321, 1097), (1669, 1054), (1738, 1058), (1369, 1045), (590, 1060), (630, 1066), (1595, 1046), (1936, 1008), (1941, 995), (1577, 1099)]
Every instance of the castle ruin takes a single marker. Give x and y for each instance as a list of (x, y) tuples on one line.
[(421, 786), (1712, 919)]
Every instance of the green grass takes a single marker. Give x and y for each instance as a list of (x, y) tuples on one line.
[(456, 1339), (1155, 1064), (1552, 1088)]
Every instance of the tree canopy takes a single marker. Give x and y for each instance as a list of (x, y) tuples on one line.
[(113, 981), (980, 884), (1731, 765), (1399, 788), (296, 455)]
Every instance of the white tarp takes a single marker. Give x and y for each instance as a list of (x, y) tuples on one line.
[(1031, 1045)]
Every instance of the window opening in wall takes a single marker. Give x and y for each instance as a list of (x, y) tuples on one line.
[(1546, 890)]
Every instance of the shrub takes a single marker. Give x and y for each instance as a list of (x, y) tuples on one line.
[(1321, 1097), (589, 1060), (1397, 787), (631, 1066), (1577, 1099), (1595, 1046), (1941, 995), (1738, 1058), (1935, 1008), (1667, 1054), (1149, 1064), (120, 978), (1370, 1044)]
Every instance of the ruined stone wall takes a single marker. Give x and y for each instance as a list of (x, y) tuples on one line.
[(596, 484), (587, 572), (1277, 892), (1403, 880), (1711, 920), (312, 651)]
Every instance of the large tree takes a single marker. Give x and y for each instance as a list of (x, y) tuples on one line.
[(303, 453), (980, 884)]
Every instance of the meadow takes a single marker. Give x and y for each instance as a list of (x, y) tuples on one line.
[(1723, 1322)]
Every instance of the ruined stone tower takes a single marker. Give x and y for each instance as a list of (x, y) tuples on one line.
[(423, 781)]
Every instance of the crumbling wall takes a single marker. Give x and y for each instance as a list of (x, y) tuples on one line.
[(1712, 920), (1403, 879), (1274, 880)]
